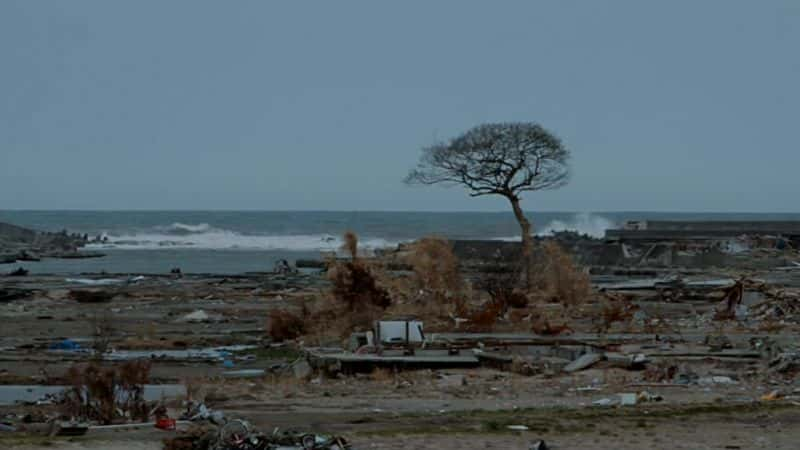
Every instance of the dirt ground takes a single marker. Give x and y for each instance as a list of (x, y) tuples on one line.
[(772, 427), (443, 409)]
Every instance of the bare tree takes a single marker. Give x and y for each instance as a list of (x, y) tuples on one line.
[(504, 159)]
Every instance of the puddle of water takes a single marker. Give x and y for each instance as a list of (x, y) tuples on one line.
[(203, 353), (218, 353), (12, 394)]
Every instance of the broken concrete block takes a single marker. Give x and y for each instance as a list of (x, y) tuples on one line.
[(583, 362), (539, 445), (627, 399), (446, 381), (645, 396), (635, 361), (302, 369), (196, 316), (785, 362), (618, 360), (705, 381)]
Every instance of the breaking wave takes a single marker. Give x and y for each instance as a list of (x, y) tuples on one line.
[(182, 228), (583, 223), (204, 236)]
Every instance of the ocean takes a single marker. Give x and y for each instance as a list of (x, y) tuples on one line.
[(231, 242)]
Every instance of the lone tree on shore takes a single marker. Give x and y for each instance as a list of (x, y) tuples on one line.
[(504, 159)]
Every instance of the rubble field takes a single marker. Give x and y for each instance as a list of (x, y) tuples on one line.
[(411, 349)]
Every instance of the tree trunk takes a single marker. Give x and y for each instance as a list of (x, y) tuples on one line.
[(527, 242)]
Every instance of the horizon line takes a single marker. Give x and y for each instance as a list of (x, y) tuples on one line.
[(253, 210)]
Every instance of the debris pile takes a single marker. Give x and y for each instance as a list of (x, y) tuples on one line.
[(240, 435), (108, 394)]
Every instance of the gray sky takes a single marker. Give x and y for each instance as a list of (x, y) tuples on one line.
[(666, 105)]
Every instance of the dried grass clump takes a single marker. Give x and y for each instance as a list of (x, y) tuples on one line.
[(107, 393), (102, 330), (350, 244), (355, 282), (615, 310), (284, 325), (195, 388), (483, 319), (546, 327), (133, 375), (436, 269), (330, 323), (502, 284), (660, 372), (381, 375), (559, 278)]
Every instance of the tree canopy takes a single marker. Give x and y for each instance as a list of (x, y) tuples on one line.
[(497, 158)]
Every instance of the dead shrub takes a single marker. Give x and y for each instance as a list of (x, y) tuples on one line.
[(133, 375), (107, 393), (101, 386), (196, 436), (559, 279), (331, 323), (615, 311), (771, 325), (362, 319), (195, 389), (523, 367), (355, 282), (354, 285), (660, 372), (484, 318), (501, 282), (284, 325), (102, 331), (546, 327), (381, 375), (436, 269), (350, 244)]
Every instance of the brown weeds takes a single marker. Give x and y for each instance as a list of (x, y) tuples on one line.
[(107, 393), (381, 375), (102, 330), (133, 375), (436, 269), (545, 327), (484, 318), (615, 311), (559, 278), (350, 244), (355, 282), (501, 283), (284, 325)]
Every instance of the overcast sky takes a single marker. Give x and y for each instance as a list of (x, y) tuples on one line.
[(666, 105)]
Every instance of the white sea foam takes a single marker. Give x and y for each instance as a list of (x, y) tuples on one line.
[(204, 236), (505, 238), (584, 223), (188, 228), (217, 239)]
